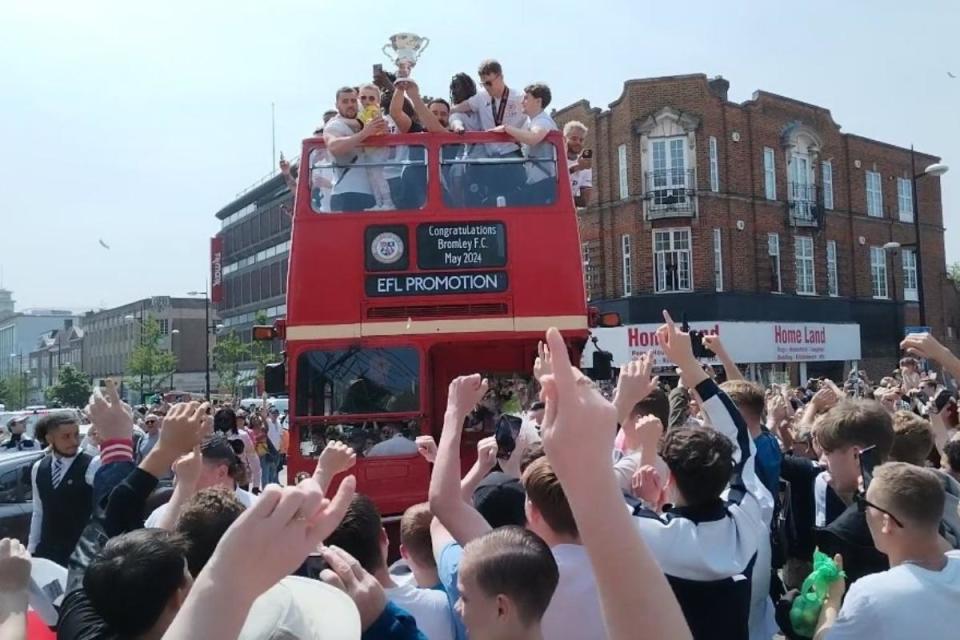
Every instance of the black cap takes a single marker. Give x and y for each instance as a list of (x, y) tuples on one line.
[(218, 448), (538, 406), (500, 499)]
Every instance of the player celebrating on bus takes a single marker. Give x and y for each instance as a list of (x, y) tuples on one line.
[(343, 135), (541, 183)]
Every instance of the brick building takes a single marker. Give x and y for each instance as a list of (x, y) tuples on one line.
[(762, 212)]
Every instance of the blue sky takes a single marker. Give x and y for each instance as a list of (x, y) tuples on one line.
[(134, 122)]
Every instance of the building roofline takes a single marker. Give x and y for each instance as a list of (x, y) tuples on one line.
[(639, 81), (253, 195), (889, 145)]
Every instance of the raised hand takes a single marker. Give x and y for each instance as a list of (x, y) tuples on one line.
[(335, 458), (825, 399), (543, 365), (14, 567), (578, 424), (182, 427), (187, 468), (427, 447), (636, 382), (649, 487), (676, 343), (465, 393), (925, 345), (644, 434), (346, 574), (487, 453), (111, 415)]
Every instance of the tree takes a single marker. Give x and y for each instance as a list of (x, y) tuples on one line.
[(72, 388), (228, 353), (150, 364), (953, 272), (13, 391)]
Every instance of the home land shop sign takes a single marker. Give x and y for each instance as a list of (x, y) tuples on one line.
[(747, 342)]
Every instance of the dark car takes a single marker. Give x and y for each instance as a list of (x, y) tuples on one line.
[(16, 494)]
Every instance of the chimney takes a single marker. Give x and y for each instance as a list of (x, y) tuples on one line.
[(719, 87)]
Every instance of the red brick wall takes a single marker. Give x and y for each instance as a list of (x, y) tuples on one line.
[(760, 123)]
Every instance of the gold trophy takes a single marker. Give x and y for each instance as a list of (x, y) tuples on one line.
[(406, 49)]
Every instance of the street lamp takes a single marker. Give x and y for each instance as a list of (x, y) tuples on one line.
[(23, 385), (206, 334), (935, 170), (130, 318)]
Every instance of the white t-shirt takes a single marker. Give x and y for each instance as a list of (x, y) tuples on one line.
[(483, 106), (346, 178), (395, 446), (429, 607), (153, 521), (547, 168), (574, 612), (906, 601), (579, 179)]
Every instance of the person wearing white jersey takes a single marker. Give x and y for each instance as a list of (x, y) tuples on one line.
[(541, 185), (344, 136), (579, 162)]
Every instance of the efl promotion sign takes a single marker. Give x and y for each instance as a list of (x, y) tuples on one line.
[(746, 342)]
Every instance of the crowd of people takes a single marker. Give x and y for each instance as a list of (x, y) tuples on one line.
[(352, 173), (663, 513)]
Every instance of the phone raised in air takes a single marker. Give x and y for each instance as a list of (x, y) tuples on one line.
[(587, 153), (868, 462)]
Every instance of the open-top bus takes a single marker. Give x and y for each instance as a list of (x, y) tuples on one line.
[(386, 306)]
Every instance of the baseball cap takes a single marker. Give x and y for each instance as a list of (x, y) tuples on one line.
[(300, 608), (218, 447), (500, 499)]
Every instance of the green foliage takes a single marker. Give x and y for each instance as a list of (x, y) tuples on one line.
[(72, 388), (150, 362), (13, 391), (953, 272), (260, 352), (228, 353)]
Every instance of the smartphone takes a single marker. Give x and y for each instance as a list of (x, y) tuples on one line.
[(942, 399), (587, 153), (377, 70), (868, 462), (314, 566), (696, 339), (506, 434)]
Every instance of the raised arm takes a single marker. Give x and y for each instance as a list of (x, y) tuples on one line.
[(578, 431), (486, 461), (926, 346), (463, 521), (427, 119), (343, 145), (396, 109), (636, 382), (713, 343)]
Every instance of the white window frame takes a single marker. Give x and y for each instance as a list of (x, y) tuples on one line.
[(714, 165), (659, 257), (874, 194), (833, 285), (805, 270), (909, 262), (622, 168), (626, 270), (905, 199), (163, 324), (826, 169), (878, 274), (769, 173), (773, 251), (718, 259)]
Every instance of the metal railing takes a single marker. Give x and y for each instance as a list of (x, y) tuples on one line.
[(670, 192), (804, 204)]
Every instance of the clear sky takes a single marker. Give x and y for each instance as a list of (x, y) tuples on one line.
[(134, 122)]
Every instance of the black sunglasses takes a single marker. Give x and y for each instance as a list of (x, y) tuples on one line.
[(863, 503)]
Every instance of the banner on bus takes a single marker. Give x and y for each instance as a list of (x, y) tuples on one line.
[(216, 269), (427, 284), (461, 245), (746, 342)]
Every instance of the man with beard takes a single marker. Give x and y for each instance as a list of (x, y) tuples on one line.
[(579, 162), (344, 135), (62, 490)]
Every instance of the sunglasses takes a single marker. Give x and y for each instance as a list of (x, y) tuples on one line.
[(368, 99), (150, 422), (863, 503)]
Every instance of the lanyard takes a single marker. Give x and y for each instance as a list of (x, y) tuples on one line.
[(498, 113)]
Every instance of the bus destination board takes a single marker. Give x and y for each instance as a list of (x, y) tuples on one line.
[(461, 245), (430, 284)]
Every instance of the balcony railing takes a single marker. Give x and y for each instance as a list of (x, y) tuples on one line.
[(803, 203), (670, 193)]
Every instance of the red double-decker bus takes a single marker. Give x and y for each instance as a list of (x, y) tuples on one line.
[(460, 270)]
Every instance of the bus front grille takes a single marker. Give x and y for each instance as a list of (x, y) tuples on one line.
[(438, 311)]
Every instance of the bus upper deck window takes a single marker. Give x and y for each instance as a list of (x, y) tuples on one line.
[(369, 178), (482, 175)]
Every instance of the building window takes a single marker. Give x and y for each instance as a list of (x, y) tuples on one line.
[(773, 250), (714, 166), (164, 326), (622, 166), (878, 272), (625, 269), (590, 278), (827, 169), (874, 195), (717, 260), (905, 199), (769, 174), (671, 260), (833, 287), (669, 183), (800, 189), (803, 253), (910, 275)]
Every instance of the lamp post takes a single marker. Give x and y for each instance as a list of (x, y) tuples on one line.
[(23, 385), (935, 170), (206, 337), (130, 318)]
